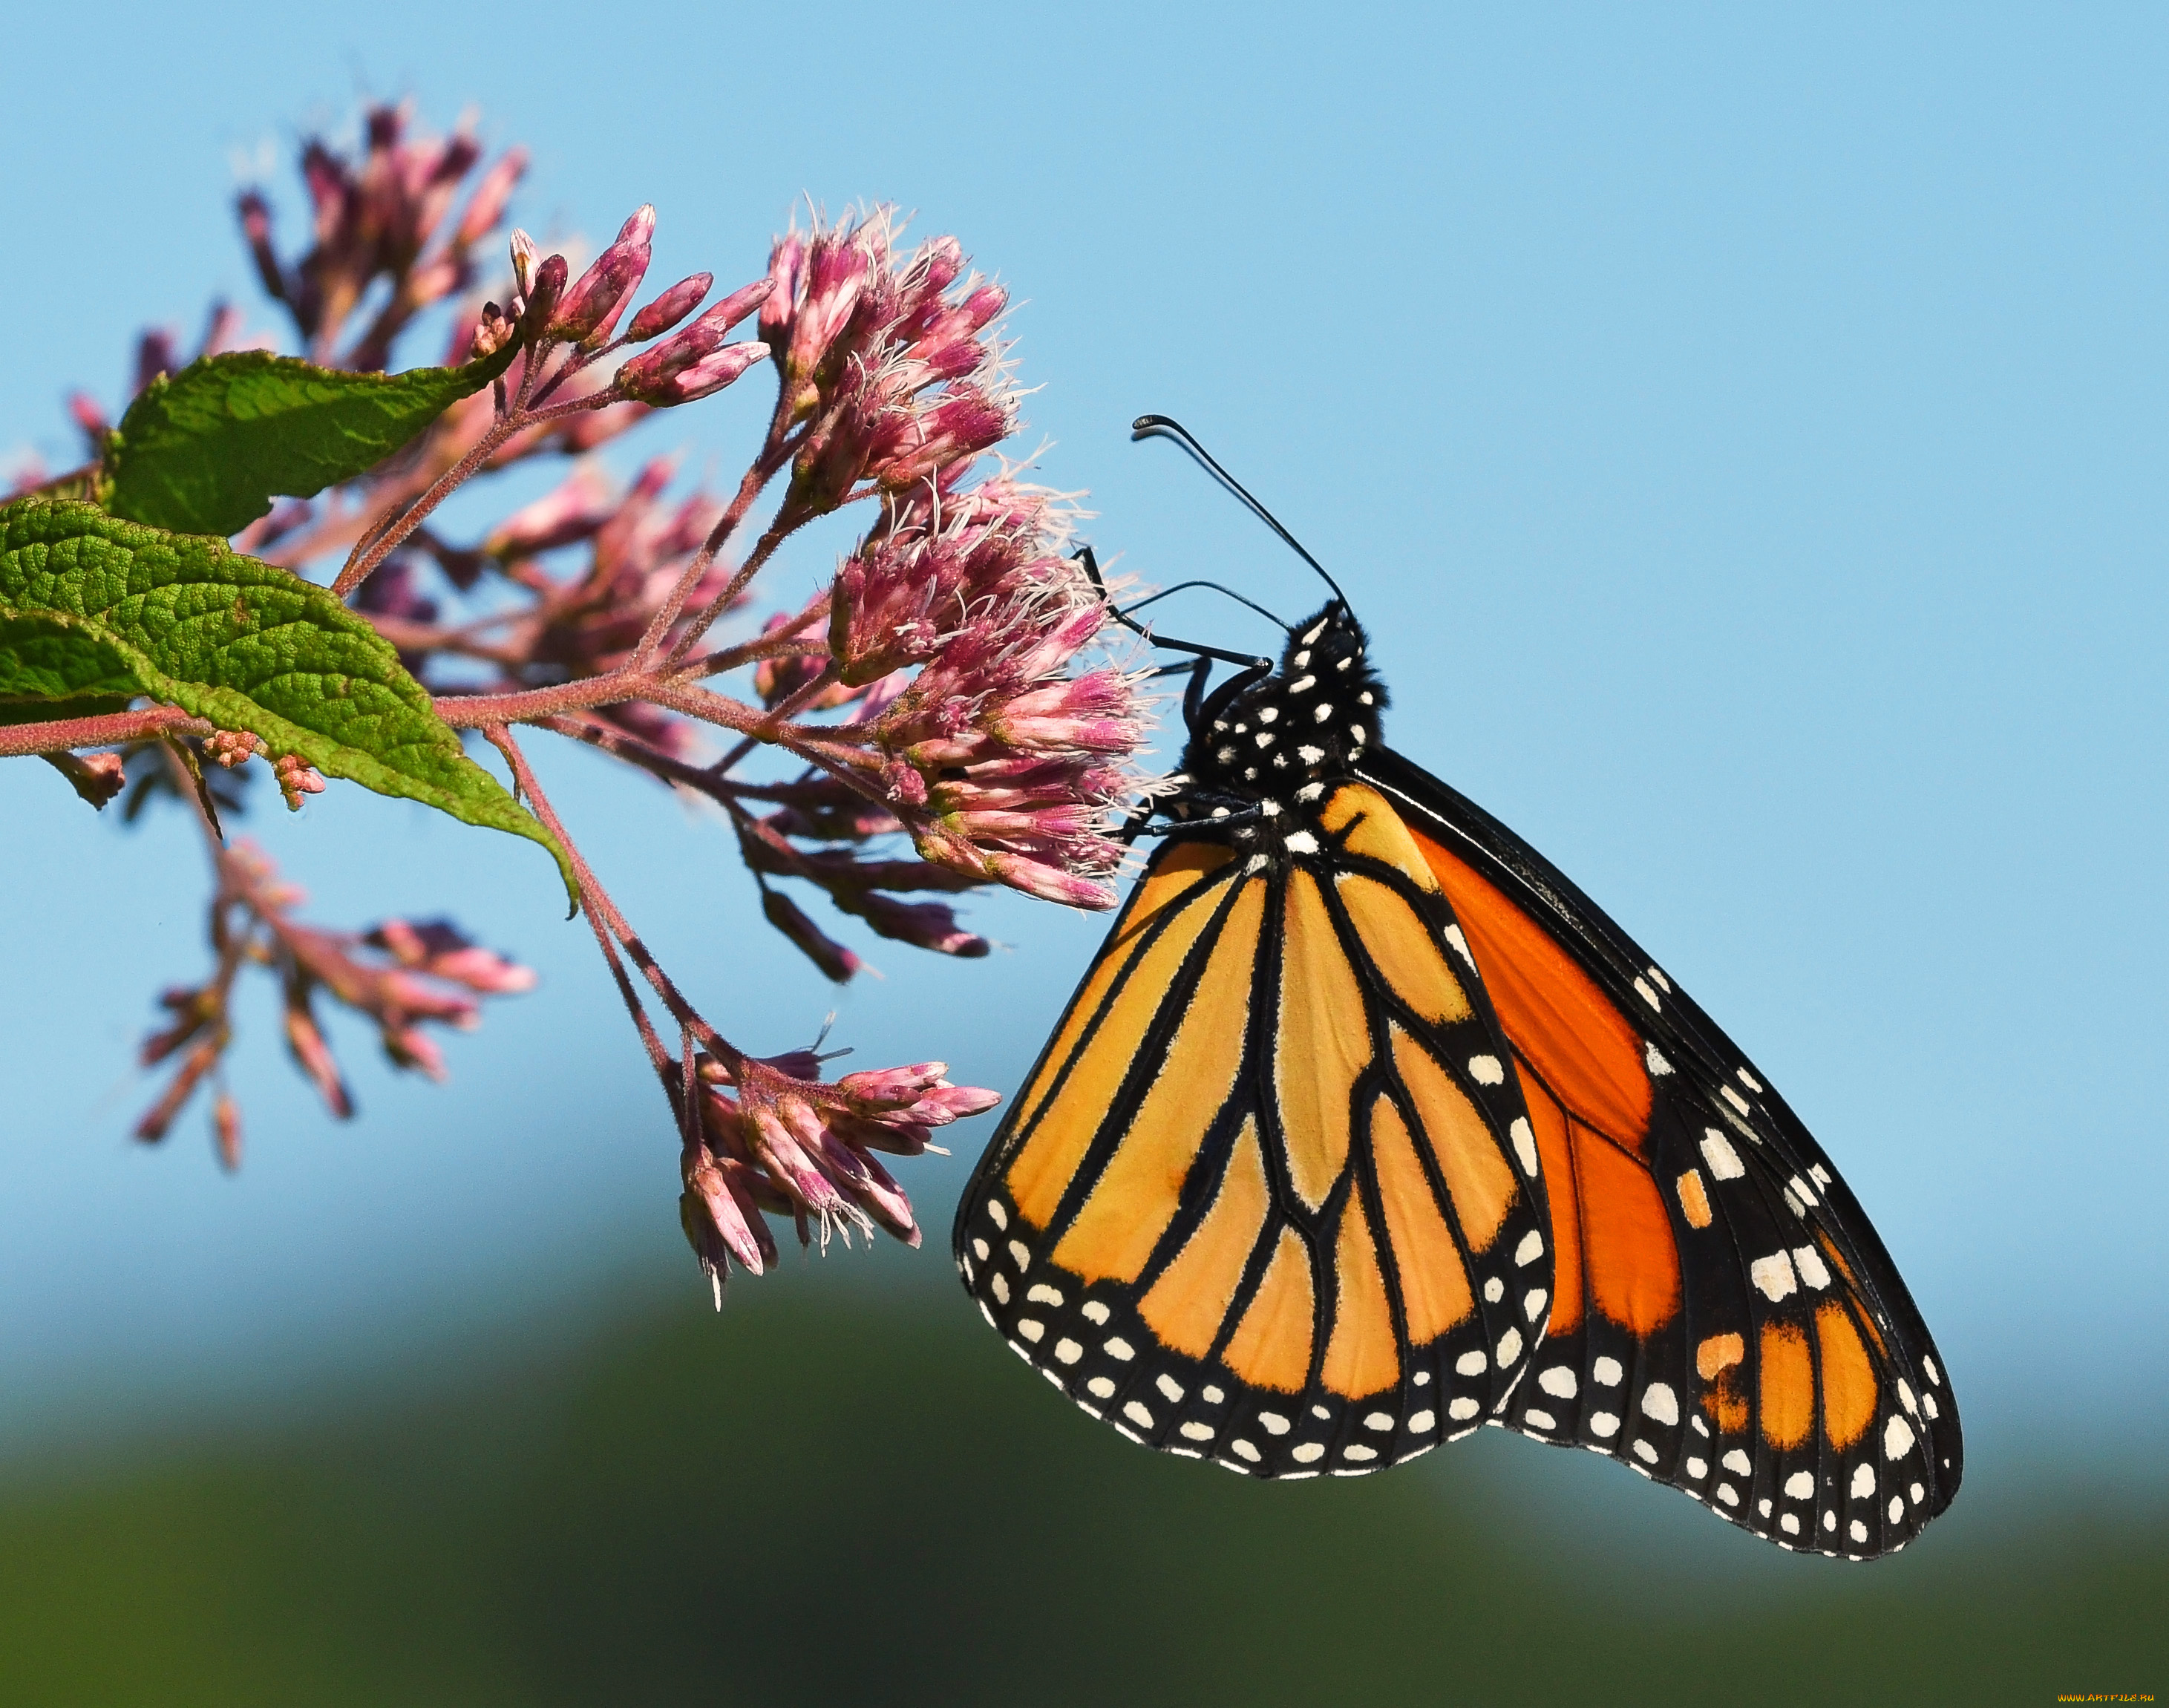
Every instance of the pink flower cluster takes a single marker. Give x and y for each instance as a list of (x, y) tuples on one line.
[(789, 1146), (380, 218), (401, 976)]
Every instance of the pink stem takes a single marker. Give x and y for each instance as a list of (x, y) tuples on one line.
[(18, 741)]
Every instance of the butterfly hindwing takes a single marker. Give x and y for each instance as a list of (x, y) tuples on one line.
[(1726, 1320), (1269, 1196)]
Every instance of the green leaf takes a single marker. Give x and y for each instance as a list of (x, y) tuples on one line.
[(93, 606), (204, 450)]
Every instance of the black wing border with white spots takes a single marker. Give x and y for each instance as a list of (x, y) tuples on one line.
[(1636, 1399), (1090, 1342)]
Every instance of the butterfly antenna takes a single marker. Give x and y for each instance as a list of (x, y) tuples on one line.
[(1183, 586), (1166, 427), (1248, 661)]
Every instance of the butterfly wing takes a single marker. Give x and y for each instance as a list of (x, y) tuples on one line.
[(1726, 1320), (1269, 1196)]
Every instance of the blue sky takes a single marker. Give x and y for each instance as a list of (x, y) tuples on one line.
[(1744, 433)]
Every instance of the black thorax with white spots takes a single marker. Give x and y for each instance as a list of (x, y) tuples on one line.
[(1265, 749)]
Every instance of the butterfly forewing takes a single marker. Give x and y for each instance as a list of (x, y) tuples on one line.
[(1269, 1196), (1726, 1319)]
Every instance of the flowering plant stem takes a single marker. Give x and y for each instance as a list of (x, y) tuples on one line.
[(943, 722)]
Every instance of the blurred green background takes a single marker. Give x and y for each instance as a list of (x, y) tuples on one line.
[(1744, 432), (835, 1493)]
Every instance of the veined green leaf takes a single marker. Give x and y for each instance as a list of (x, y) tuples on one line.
[(205, 450), (92, 606)]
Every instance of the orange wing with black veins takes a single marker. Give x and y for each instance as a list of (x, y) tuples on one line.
[(1726, 1320)]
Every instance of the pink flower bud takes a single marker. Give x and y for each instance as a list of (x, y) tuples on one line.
[(877, 1090), (711, 1210), (588, 309), (525, 258), (836, 962), (542, 299), (1049, 883), (486, 207), (924, 925), (671, 307), (225, 1131), (314, 1058), (706, 377)]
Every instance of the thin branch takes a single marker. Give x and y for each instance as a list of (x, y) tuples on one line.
[(19, 741), (603, 913)]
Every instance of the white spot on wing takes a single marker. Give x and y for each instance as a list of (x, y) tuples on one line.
[(1275, 1423), (1531, 1249), (1658, 1065), (1509, 1347), (1525, 1139), (1068, 1351), (1120, 1349), (1737, 1463), (1044, 1295), (1717, 1151), (996, 1214), (1809, 1262), (1300, 842), (1642, 990), (1471, 1364), (1170, 1386), (1799, 1485), (1136, 1413), (1773, 1275), (1897, 1439), (1461, 1410), (1095, 1313), (1307, 1452), (1533, 1302), (1485, 1070), (1608, 1371), (1559, 1382), (1659, 1401)]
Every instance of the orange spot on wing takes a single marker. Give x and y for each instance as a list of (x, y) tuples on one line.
[(1324, 1042), (1478, 1178), (1573, 1037), (1190, 1300), (1718, 1362), (1724, 1403), (1849, 1385), (1271, 1347), (1718, 1353), (1401, 947), (1788, 1385), (1435, 1293), (1556, 1162), (1838, 1263), (1379, 833), (1361, 1357), (1043, 1166), (1632, 1258), (1136, 1195), (1694, 1202)]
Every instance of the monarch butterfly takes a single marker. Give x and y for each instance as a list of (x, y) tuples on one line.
[(1367, 1127)]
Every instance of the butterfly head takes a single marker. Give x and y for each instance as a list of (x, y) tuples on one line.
[(1308, 721)]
